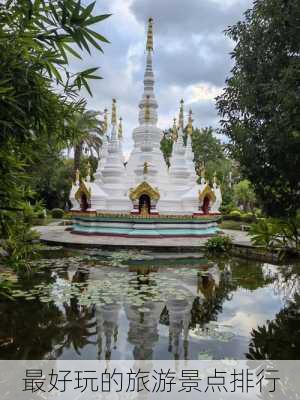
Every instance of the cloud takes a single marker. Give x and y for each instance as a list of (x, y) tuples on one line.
[(200, 61), (191, 57), (177, 17)]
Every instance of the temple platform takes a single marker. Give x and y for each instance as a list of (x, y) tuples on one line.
[(60, 236), (152, 226)]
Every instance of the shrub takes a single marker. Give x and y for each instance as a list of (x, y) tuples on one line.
[(266, 232), (218, 244), (258, 212), (20, 245), (235, 215), (229, 224), (277, 233), (227, 208), (32, 211), (41, 214), (248, 217), (57, 213)]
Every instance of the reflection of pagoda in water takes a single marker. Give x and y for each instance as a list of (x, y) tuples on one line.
[(179, 321), (209, 282), (107, 318), (176, 310), (143, 328)]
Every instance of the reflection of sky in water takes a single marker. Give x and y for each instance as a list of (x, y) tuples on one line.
[(248, 309), (286, 284), (156, 311)]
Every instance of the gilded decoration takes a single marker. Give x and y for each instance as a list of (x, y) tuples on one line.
[(181, 115), (190, 123), (174, 131), (144, 188), (149, 45), (82, 190), (146, 168), (144, 211), (207, 192)]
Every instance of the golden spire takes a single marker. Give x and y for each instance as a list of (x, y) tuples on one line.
[(146, 167), (105, 121), (181, 117), (149, 45), (147, 109), (190, 123), (120, 129), (114, 112), (174, 131)]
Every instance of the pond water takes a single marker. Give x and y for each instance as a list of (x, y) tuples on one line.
[(92, 305)]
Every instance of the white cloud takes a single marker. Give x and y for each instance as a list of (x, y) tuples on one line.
[(191, 58), (205, 91)]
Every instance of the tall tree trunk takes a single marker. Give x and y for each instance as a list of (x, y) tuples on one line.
[(77, 156)]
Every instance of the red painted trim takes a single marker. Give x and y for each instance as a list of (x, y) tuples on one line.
[(82, 213), (138, 213), (183, 217), (139, 236), (205, 215)]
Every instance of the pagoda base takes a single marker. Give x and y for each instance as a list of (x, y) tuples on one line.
[(128, 225)]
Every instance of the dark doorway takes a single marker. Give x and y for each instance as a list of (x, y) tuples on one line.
[(84, 204), (205, 206), (144, 204)]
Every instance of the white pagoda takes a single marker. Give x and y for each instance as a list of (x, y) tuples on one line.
[(144, 197)]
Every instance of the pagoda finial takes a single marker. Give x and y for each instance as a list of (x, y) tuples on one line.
[(190, 123), (120, 129), (105, 121), (149, 45), (145, 168), (147, 109), (114, 112), (175, 131), (149, 82), (181, 116)]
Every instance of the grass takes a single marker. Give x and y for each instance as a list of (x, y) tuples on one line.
[(43, 221), (229, 224)]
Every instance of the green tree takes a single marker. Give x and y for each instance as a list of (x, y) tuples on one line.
[(278, 339), (207, 148), (244, 195), (51, 179), (39, 93), (260, 106), (86, 130), (50, 175), (166, 146)]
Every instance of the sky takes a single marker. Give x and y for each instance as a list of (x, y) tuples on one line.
[(191, 57)]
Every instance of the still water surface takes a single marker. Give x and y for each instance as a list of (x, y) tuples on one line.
[(90, 305)]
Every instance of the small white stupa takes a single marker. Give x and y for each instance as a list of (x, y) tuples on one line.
[(146, 198)]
